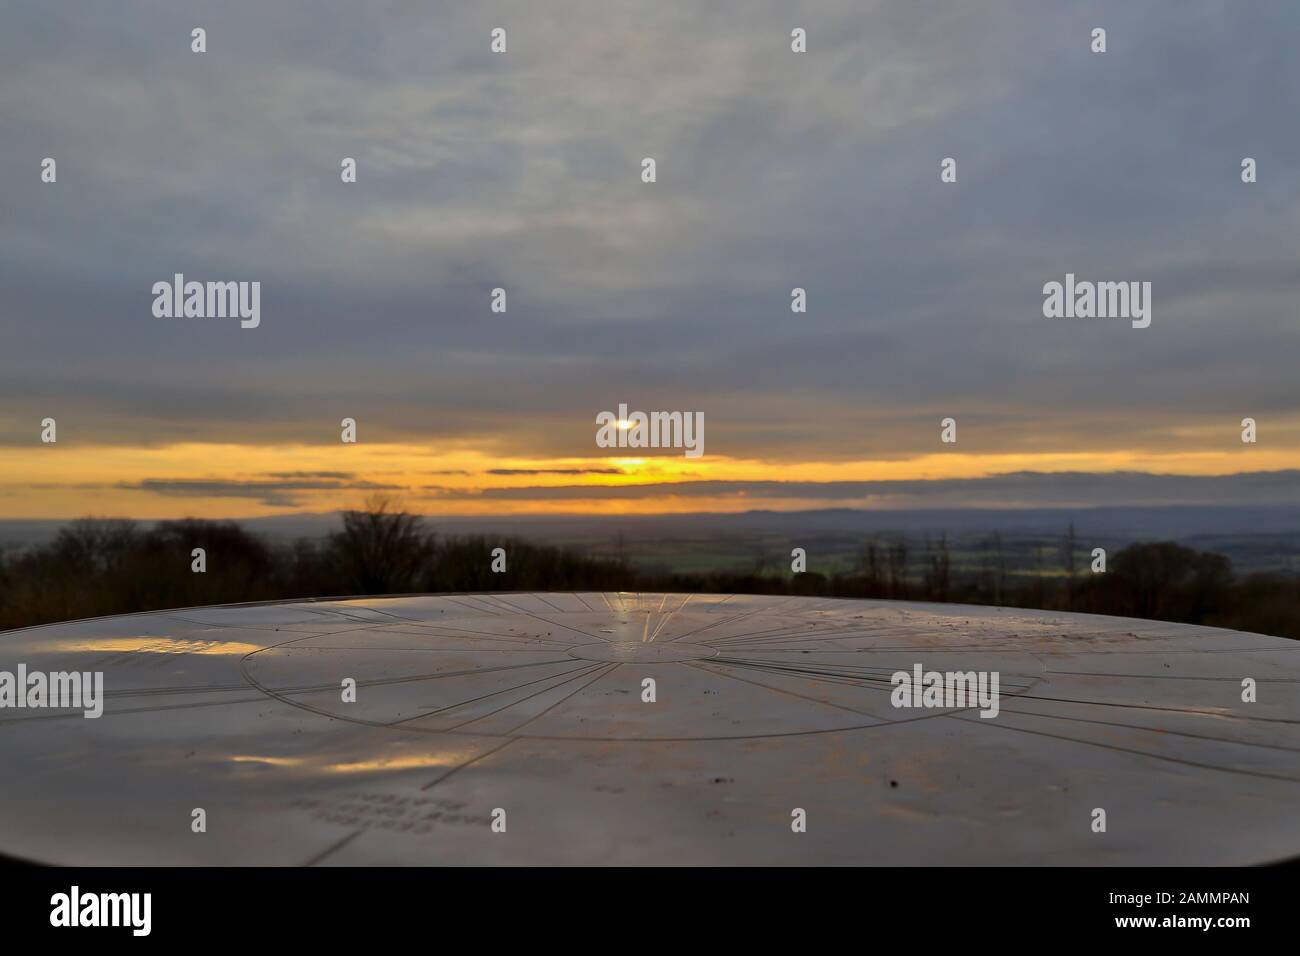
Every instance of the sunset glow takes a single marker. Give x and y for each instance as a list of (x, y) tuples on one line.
[(226, 480)]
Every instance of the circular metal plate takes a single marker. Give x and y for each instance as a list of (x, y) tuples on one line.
[(649, 728)]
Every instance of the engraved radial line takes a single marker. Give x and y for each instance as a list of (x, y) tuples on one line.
[(812, 676), (476, 610), (500, 600), (782, 635), (738, 617), (841, 670), (343, 613), (154, 709), (613, 667), (663, 622), (416, 678), (705, 627), (1175, 710), (473, 760), (472, 635), (567, 627), (522, 610), (483, 599), (833, 677), (515, 703), (778, 635), (782, 690), (804, 629), (504, 690), (334, 847), (501, 604), (1152, 730), (761, 638), (1231, 680), (1127, 750), (547, 603), (855, 674)]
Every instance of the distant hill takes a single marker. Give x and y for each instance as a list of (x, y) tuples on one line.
[(1174, 522), (1265, 537)]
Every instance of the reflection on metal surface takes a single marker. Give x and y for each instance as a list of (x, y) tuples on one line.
[(408, 762), (536, 704), (151, 645)]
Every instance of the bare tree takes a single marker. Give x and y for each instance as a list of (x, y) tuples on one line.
[(869, 566), (381, 550), (999, 567), (937, 574), (1067, 561), (95, 544), (897, 560)]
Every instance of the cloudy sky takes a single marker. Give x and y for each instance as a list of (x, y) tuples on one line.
[(522, 171)]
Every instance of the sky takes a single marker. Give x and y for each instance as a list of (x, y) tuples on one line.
[(522, 171)]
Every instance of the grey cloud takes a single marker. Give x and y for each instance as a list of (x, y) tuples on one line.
[(277, 493), (775, 170), (554, 471), (310, 474)]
